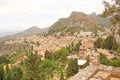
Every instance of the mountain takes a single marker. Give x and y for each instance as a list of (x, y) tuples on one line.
[(105, 22), (75, 22), (2, 34), (28, 32)]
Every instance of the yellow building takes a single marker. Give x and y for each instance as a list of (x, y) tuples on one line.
[(5, 66)]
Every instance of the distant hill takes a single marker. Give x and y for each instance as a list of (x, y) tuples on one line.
[(105, 22), (2, 34), (28, 32), (75, 22)]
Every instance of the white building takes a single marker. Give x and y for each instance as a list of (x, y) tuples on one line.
[(85, 34)]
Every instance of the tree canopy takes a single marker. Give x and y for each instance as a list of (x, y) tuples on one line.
[(112, 10)]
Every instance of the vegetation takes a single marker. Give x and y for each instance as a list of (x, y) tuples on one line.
[(108, 43), (104, 60), (118, 50), (112, 10), (4, 59), (73, 29), (1, 43), (77, 46), (72, 67), (48, 55), (97, 28), (16, 73), (48, 68), (113, 62), (99, 43), (55, 29), (10, 74), (62, 76), (74, 23), (32, 67), (1, 72)]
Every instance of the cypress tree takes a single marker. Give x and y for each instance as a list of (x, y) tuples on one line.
[(72, 67), (32, 67), (62, 76), (1, 72)]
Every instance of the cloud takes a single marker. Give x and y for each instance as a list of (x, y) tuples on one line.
[(42, 12), (43, 6)]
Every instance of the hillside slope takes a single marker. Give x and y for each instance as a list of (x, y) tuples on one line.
[(75, 22), (28, 32), (105, 22)]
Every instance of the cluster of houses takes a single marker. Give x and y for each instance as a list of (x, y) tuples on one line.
[(95, 71), (36, 38)]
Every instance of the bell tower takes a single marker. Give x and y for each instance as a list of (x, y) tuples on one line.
[(94, 58)]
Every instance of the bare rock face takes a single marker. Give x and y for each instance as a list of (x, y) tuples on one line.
[(76, 19)]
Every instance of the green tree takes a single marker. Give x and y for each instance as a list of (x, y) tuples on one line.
[(63, 58), (77, 46), (62, 53), (16, 73), (72, 67), (62, 76), (115, 62), (4, 59), (104, 60), (38, 43), (112, 10), (118, 50), (48, 55), (99, 43), (32, 67), (1, 72), (110, 43), (75, 66), (70, 47), (7, 75), (48, 68)]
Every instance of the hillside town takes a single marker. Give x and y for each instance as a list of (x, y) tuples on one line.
[(52, 44), (84, 45)]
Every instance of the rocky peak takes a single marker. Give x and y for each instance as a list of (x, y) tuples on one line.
[(74, 13)]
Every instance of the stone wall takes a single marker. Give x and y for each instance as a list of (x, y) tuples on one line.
[(90, 71), (85, 74), (115, 71)]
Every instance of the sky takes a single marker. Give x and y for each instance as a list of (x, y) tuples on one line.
[(17, 15)]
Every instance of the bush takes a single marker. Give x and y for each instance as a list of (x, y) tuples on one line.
[(72, 67), (115, 62), (104, 60), (109, 43), (4, 59), (118, 50)]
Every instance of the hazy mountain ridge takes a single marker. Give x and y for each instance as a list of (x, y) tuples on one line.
[(105, 22), (2, 34), (28, 32), (75, 22)]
